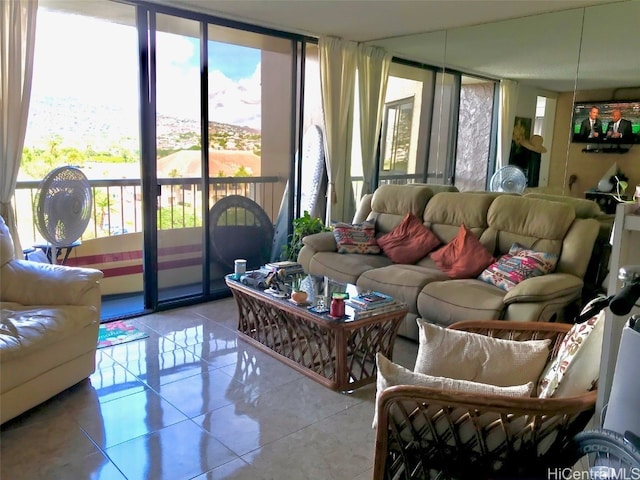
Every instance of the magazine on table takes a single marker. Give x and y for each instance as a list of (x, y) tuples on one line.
[(370, 300)]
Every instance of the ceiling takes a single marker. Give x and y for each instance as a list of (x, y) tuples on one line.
[(367, 20), (529, 43)]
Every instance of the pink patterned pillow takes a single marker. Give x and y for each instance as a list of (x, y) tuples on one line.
[(359, 238), (518, 265)]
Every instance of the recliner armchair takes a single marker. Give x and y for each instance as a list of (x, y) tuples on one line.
[(49, 319)]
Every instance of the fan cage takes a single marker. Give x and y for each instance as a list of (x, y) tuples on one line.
[(62, 205), (509, 179)]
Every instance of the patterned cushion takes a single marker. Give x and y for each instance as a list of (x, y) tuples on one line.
[(462, 257), (409, 241), (576, 368), (359, 238), (518, 265), (390, 374)]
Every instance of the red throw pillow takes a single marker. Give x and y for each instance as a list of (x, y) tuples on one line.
[(463, 257), (409, 241)]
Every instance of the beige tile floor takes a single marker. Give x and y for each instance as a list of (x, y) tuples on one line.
[(193, 402)]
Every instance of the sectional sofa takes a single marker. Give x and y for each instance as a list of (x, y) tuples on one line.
[(497, 221)]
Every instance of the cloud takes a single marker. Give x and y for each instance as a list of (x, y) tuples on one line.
[(236, 103), (96, 62)]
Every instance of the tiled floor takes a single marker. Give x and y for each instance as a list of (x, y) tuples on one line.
[(191, 401)]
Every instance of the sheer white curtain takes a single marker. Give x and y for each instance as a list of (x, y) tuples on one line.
[(17, 41), (373, 74), (338, 60), (508, 103)]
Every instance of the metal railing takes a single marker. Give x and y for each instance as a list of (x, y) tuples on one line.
[(117, 203)]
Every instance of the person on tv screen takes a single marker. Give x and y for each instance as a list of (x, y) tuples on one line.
[(591, 127), (619, 128)]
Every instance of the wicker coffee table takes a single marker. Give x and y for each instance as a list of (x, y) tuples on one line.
[(339, 354)]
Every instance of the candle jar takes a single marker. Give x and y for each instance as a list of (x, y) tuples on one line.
[(337, 306), (240, 268)]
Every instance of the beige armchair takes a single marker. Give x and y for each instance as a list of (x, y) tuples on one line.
[(49, 319)]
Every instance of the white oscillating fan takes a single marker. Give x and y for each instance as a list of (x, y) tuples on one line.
[(508, 179), (62, 206)]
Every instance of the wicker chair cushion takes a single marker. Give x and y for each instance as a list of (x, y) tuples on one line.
[(470, 356), (390, 374), (576, 368)]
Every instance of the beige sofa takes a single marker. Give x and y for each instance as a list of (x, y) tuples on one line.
[(498, 220), (48, 328)]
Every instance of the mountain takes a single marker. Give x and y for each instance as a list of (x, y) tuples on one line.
[(101, 127)]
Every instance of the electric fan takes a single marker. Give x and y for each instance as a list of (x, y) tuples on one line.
[(509, 179), (62, 206)]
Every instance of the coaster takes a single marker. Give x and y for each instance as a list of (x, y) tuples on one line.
[(300, 304)]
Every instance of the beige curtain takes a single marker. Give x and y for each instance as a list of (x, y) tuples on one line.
[(373, 75), (338, 60), (508, 103), (17, 42)]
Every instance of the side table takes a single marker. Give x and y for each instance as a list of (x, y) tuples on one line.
[(48, 249)]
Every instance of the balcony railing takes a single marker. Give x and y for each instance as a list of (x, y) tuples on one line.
[(117, 203)]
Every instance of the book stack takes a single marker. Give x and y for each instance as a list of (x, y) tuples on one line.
[(372, 303), (289, 267)]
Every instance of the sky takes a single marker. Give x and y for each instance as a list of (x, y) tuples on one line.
[(106, 71)]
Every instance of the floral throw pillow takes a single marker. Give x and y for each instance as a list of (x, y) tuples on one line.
[(358, 238), (518, 265), (576, 368)]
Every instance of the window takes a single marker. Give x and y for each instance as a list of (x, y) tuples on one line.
[(396, 135)]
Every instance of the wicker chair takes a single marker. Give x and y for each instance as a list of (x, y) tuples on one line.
[(424, 433)]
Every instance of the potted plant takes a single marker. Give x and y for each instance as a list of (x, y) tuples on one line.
[(297, 294), (303, 226)]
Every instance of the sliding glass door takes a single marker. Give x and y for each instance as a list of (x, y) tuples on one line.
[(179, 207)]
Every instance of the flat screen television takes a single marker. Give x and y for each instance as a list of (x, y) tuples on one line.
[(606, 139)]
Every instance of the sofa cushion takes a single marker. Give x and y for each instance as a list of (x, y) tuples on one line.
[(455, 300), (358, 238), (390, 203), (471, 356), (390, 374), (536, 224), (583, 208), (518, 265), (402, 282), (409, 241), (462, 257), (446, 211), (36, 340), (28, 328), (576, 367), (346, 267)]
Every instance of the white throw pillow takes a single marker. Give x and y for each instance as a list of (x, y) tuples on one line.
[(577, 366), (445, 352), (390, 374)]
